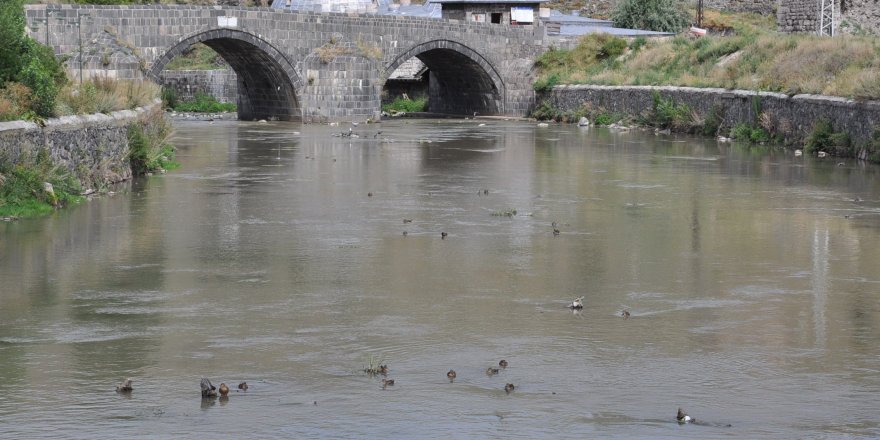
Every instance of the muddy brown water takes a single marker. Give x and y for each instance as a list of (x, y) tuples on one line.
[(752, 278)]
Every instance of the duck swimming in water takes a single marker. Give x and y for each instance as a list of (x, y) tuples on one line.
[(624, 314), (387, 383), (243, 386), (577, 304), (451, 375), (124, 387), (224, 390), (509, 388), (683, 418), (383, 370), (491, 371), (502, 363)]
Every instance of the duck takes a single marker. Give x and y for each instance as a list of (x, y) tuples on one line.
[(224, 390), (555, 232), (405, 233), (451, 375), (443, 235), (502, 363), (124, 386), (683, 418), (577, 304), (491, 371), (243, 386), (407, 220), (509, 388), (383, 370), (369, 194), (208, 389), (624, 314), (387, 383)]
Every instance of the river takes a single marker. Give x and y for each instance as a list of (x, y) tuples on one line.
[(276, 255)]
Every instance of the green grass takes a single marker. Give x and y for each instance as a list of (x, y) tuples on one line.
[(406, 105), (149, 150), (204, 104), (22, 187), (197, 57), (752, 57)]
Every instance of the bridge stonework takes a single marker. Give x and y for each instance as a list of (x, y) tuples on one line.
[(311, 66)]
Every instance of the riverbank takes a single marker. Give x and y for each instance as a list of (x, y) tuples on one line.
[(818, 124), (44, 167)]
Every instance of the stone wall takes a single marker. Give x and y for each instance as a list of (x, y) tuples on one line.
[(860, 16), (798, 16), (758, 6), (221, 84), (794, 117), (94, 148)]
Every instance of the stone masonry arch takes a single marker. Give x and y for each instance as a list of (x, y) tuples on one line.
[(461, 80), (267, 81)]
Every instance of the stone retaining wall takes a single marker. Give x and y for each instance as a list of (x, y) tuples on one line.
[(221, 84), (92, 147), (792, 116), (759, 6)]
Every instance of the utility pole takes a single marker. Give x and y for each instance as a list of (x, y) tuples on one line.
[(699, 17)]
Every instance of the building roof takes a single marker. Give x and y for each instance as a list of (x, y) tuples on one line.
[(525, 2)]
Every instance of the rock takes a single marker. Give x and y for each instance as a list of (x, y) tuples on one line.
[(584, 122), (48, 188), (208, 390), (543, 125)]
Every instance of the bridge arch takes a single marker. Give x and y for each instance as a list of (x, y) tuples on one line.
[(461, 80), (267, 81)]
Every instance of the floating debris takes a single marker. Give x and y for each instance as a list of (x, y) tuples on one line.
[(577, 304), (443, 235)]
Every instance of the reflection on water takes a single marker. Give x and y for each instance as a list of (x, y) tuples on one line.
[(276, 255)]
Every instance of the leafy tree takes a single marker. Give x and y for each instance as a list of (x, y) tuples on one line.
[(655, 15), (14, 41)]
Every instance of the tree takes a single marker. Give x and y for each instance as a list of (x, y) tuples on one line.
[(655, 15), (14, 46)]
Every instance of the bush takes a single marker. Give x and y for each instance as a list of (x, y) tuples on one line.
[(665, 113), (406, 105), (169, 97), (824, 138), (612, 48), (36, 77), (15, 101), (655, 15), (545, 112), (604, 119), (14, 41), (204, 104), (23, 192), (546, 84), (748, 133), (148, 145)]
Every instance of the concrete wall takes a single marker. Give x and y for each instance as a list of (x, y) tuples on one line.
[(221, 84), (793, 117), (94, 148)]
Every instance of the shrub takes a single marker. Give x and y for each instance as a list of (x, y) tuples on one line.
[(824, 138), (149, 149), (204, 104), (407, 105), (15, 101), (612, 48), (712, 122), (23, 192), (169, 97), (665, 113), (546, 84), (749, 133), (545, 112), (604, 119), (14, 41), (36, 77), (655, 15)]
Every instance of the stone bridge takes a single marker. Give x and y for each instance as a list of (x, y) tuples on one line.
[(306, 66)]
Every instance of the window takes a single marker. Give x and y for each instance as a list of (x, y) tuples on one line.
[(496, 17), (478, 18), (522, 15)]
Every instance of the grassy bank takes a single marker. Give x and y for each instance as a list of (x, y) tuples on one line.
[(35, 186), (406, 105), (202, 103), (750, 58)]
